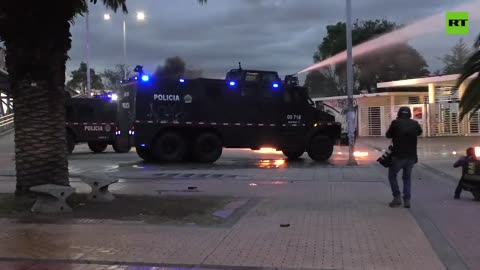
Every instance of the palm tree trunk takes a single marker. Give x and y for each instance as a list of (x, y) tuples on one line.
[(37, 76)]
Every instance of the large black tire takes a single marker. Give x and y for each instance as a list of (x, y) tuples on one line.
[(97, 147), (144, 153), (121, 149), (207, 148), (169, 147), (320, 148), (70, 143), (293, 155)]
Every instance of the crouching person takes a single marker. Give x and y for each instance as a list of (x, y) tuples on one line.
[(463, 162)]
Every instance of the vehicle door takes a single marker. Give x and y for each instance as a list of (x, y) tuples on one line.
[(242, 104), (92, 120), (270, 110), (294, 117)]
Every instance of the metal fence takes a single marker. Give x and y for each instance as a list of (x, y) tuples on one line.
[(2, 59), (440, 119), (6, 122), (6, 105)]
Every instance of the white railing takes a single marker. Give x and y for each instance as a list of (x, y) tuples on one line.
[(436, 120), (2, 59), (6, 122)]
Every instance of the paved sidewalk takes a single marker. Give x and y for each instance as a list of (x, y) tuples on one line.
[(337, 217), (335, 223)]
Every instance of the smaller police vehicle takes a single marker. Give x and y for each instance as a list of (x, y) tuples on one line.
[(99, 122), (193, 120)]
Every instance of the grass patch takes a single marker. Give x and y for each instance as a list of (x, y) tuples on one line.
[(147, 209)]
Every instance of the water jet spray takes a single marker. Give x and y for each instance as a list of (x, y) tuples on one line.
[(429, 25)]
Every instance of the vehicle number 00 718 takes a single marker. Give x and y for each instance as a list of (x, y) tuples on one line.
[(294, 117)]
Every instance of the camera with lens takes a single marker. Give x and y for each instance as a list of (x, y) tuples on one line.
[(386, 158)]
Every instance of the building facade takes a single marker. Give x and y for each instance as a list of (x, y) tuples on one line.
[(433, 101), (5, 102)]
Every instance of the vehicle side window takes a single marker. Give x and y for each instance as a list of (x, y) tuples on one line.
[(269, 77), (252, 77)]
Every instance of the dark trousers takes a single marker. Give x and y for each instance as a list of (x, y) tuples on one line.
[(405, 164), (459, 188)]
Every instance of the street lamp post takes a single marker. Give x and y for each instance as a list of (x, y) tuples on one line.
[(124, 48), (351, 113), (140, 17), (87, 52)]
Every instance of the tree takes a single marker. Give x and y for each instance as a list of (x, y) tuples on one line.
[(456, 59), (176, 67), (37, 39), (322, 83), (399, 61), (470, 101), (112, 77), (79, 79)]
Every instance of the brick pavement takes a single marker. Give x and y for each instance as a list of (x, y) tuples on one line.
[(66, 266), (456, 220), (333, 225), (337, 215), (451, 225)]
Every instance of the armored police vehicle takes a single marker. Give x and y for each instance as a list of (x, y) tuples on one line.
[(99, 122), (178, 119)]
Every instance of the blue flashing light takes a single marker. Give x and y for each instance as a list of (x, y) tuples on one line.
[(143, 145), (145, 78), (276, 85), (109, 95), (136, 78), (232, 83), (181, 80)]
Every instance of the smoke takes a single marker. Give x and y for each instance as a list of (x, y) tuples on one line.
[(176, 67)]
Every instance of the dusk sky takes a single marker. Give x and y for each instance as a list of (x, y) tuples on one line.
[(277, 35)]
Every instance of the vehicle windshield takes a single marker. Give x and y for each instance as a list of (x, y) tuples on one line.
[(251, 77), (270, 77)]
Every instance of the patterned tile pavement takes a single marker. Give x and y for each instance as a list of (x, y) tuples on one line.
[(343, 225), (335, 216)]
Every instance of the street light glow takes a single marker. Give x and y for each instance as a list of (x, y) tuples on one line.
[(106, 16), (140, 16)]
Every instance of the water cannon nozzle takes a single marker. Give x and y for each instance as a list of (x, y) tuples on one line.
[(292, 80)]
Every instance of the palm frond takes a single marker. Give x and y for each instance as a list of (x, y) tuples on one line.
[(114, 4), (477, 43), (471, 98), (471, 67)]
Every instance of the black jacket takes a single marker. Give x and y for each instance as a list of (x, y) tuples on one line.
[(404, 133), (463, 162)]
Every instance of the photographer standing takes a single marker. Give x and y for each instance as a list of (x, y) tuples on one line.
[(404, 132)]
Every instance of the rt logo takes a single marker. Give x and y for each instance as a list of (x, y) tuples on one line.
[(457, 23)]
